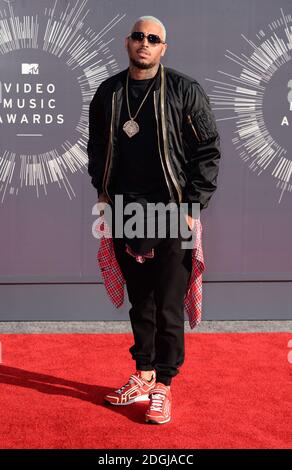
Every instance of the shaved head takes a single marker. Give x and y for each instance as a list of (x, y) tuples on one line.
[(152, 19)]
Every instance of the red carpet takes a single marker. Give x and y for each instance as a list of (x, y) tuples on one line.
[(233, 391)]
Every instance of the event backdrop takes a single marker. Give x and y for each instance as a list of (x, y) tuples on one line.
[(53, 56)]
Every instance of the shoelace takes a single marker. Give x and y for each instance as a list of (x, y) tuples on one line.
[(124, 386), (120, 390), (157, 401), (132, 380)]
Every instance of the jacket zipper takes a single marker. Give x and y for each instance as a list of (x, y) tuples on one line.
[(193, 127), (164, 139), (159, 146), (109, 152)]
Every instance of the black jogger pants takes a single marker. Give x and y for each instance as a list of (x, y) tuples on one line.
[(156, 290)]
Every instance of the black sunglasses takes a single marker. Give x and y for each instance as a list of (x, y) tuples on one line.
[(152, 38)]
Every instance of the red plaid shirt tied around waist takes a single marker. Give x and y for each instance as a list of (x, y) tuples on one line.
[(114, 281)]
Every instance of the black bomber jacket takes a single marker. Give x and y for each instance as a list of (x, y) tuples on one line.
[(189, 142)]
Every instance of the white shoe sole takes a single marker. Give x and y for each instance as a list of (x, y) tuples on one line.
[(152, 421), (136, 399)]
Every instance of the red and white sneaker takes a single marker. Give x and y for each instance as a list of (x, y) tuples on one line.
[(136, 389), (159, 410)]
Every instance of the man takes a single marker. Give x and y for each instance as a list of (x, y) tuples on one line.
[(153, 138)]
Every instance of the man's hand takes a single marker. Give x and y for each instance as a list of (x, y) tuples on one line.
[(102, 199), (190, 221)]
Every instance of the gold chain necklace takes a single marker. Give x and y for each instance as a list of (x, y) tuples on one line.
[(131, 127)]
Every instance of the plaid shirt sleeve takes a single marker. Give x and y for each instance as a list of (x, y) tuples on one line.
[(111, 273), (193, 297)]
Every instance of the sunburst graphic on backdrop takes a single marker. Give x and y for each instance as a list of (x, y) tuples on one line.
[(53, 62), (258, 102)]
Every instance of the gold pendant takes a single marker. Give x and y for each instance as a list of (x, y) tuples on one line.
[(131, 128)]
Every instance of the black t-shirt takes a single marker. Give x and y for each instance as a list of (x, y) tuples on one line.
[(140, 172)]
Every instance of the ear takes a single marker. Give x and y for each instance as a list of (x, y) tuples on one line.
[(164, 49)]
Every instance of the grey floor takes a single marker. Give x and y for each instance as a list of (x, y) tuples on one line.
[(125, 327)]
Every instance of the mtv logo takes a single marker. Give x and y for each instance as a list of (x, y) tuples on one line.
[(29, 68)]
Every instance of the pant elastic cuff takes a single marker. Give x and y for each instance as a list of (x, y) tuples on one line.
[(144, 368), (163, 380)]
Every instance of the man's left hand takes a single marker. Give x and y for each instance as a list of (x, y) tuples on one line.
[(190, 221)]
